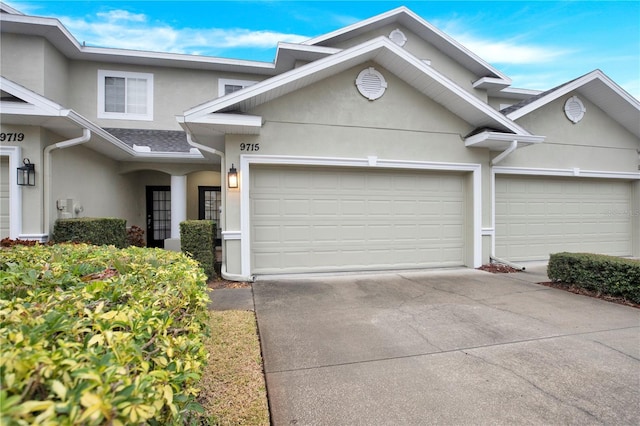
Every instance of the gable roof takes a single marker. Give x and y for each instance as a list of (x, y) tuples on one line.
[(407, 18), (21, 106), (599, 89), (380, 50)]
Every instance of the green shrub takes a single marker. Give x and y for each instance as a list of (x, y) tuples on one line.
[(611, 275), (96, 335), (97, 231), (197, 239)]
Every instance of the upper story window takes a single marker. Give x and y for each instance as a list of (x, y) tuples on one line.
[(227, 86), (125, 95)]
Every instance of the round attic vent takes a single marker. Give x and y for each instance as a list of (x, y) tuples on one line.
[(398, 37), (371, 84), (574, 109)]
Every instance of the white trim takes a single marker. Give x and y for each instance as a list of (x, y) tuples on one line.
[(249, 159), (102, 74), (15, 191), (223, 82), (604, 174), (529, 171), (231, 235), (41, 238)]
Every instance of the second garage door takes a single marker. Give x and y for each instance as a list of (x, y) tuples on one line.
[(316, 219), (536, 216)]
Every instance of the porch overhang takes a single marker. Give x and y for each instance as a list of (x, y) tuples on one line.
[(498, 141)]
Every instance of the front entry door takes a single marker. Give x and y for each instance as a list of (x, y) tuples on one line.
[(158, 215)]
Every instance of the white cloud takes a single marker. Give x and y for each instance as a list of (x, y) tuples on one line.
[(125, 30), (510, 52)]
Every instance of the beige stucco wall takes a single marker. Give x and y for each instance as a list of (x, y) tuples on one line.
[(595, 143), (23, 60), (420, 48), (102, 192), (331, 119), (56, 81)]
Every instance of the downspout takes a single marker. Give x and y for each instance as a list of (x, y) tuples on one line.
[(46, 195), (496, 160), (223, 186)]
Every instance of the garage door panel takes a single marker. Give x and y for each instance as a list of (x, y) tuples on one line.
[(346, 219), (537, 216)]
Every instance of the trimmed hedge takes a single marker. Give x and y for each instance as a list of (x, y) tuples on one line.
[(96, 335), (97, 231), (611, 275), (197, 239)]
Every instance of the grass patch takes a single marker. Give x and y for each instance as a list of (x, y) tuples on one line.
[(233, 390)]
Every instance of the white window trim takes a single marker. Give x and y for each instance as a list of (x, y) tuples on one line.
[(123, 115), (247, 160), (222, 82)]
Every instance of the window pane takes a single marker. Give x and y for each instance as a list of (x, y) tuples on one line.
[(136, 96), (114, 94), (230, 88)]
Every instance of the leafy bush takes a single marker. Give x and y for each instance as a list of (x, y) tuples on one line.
[(95, 335), (197, 239), (135, 236), (97, 231), (605, 274)]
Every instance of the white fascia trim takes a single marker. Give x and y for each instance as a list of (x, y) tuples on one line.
[(228, 120), (404, 11), (491, 83), (506, 137), (15, 191), (99, 131), (574, 172), (574, 85), (249, 159), (39, 105), (296, 47), (367, 50)]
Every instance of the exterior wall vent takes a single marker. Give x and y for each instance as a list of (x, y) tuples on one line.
[(574, 109), (371, 84), (398, 37)]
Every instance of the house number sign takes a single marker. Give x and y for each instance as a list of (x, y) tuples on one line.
[(11, 137), (249, 147)]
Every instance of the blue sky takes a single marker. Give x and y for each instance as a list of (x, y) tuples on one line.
[(539, 44)]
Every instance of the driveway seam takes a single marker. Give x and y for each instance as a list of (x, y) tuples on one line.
[(462, 350)]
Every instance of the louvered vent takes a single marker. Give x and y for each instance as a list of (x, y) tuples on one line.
[(574, 109), (398, 37), (371, 84)]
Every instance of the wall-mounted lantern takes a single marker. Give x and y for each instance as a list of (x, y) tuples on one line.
[(232, 177), (27, 173)]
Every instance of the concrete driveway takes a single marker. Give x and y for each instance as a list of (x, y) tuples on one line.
[(445, 347)]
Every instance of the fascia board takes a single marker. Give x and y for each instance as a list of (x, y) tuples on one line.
[(230, 120), (42, 106), (575, 85), (99, 131), (502, 137), (362, 52), (280, 80), (53, 30), (407, 17)]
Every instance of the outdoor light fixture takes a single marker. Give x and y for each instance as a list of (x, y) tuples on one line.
[(232, 177), (27, 173)]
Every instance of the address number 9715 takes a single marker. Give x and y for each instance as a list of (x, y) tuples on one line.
[(249, 147)]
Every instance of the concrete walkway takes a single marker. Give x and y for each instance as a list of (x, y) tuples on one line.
[(445, 347)]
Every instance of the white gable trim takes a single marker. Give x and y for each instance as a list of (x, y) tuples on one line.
[(616, 97), (386, 53), (414, 22)]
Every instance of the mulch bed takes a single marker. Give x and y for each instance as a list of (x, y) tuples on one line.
[(498, 268), (220, 283), (591, 293)]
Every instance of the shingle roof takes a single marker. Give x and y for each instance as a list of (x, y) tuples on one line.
[(508, 110), (156, 140)]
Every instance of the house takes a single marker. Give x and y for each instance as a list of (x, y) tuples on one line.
[(383, 145)]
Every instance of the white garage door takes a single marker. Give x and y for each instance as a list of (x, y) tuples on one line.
[(342, 219), (538, 216), (4, 197)]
